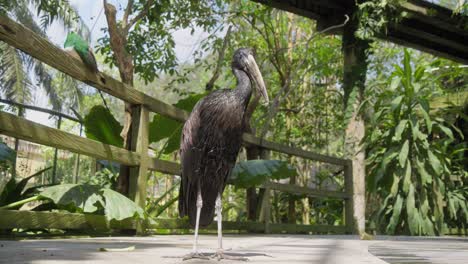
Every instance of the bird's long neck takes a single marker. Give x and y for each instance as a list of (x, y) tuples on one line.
[(244, 86)]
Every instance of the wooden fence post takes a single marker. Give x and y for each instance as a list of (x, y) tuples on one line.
[(349, 206), (138, 175), (266, 209), (54, 172)]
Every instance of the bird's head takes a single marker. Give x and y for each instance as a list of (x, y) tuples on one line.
[(244, 60)]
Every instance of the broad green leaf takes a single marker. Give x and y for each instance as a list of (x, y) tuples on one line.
[(395, 83), (403, 154), (418, 73), (394, 188), (412, 212), (407, 66), (435, 163), (255, 172), (428, 120), (400, 129), (446, 131), (407, 177), (396, 103), (71, 195), (87, 198), (425, 177), (424, 201), (101, 125), (15, 191), (395, 218), (163, 127), (119, 207)]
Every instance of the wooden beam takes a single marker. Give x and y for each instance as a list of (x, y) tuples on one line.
[(31, 43), (24, 129), (139, 175), (248, 138), (415, 28), (59, 220), (164, 166), (412, 41), (289, 188)]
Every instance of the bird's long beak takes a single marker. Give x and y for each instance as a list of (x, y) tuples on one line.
[(256, 75)]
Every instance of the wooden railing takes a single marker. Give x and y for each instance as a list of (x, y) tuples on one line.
[(24, 39)]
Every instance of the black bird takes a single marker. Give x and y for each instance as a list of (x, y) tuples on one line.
[(211, 140)]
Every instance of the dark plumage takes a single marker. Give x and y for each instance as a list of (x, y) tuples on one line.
[(212, 138)]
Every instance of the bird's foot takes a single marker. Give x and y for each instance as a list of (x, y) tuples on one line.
[(195, 255), (219, 255)]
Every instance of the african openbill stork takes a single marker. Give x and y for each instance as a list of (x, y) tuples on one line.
[(211, 140)]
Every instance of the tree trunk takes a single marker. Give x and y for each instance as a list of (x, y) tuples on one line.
[(124, 62), (355, 67)]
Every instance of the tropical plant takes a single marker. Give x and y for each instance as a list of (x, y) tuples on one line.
[(408, 164), (82, 198), (7, 157), (15, 190), (16, 82), (251, 173)]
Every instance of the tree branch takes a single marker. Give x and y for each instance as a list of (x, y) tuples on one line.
[(127, 13), (139, 16), (222, 51), (273, 110)]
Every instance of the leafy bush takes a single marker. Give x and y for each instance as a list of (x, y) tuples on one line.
[(409, 164)]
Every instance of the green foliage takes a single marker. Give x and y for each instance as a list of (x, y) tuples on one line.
[(7, 156), (408, 168), (15, 190), (154, 208), (16, 80), (101, 125), (375, 16), (106, 178), (85, 198), (252, 173), (163, 127), (150, 41)]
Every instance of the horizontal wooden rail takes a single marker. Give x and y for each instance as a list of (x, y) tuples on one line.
[(164, 166), (59, 220), (290, 188), (24, 39), (31, 43), (24, 129), (249, 138)]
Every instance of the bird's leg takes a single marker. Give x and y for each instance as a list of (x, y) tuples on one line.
[(219, 217), (195, 253), (197, 221)]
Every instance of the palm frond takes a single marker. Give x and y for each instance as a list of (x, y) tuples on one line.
[(61, 10), (14, 80), (44, 79)]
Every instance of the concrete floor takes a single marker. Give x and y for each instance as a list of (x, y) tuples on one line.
[(290, 249)]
